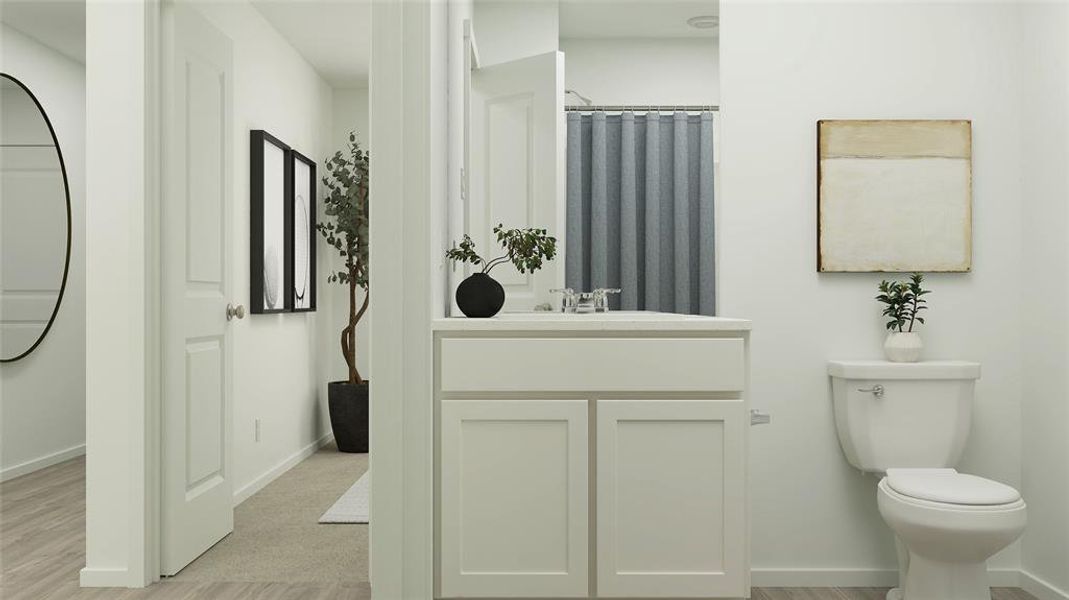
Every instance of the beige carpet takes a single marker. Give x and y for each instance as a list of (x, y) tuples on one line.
[(276, 534)]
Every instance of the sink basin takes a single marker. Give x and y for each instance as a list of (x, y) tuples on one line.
[(620, 315), (622, 320)]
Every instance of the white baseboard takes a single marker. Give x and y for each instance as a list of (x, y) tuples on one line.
[(114, 578), (260, 482), (1041, 589), (40, 463), (761, 577)]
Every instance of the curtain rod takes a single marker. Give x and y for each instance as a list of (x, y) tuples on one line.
[(642, 107)]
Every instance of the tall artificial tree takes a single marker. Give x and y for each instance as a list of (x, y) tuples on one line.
[(346, 229)]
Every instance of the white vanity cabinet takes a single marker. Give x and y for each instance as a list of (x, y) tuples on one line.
[(514, 504), (671, 494), (591, 456)]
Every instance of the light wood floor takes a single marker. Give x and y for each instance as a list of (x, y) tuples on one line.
[(861, 594), (42, 548)]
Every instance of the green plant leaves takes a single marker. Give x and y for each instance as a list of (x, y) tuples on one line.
[(464, 253), (526, 249), (904, 301), (346, 206)]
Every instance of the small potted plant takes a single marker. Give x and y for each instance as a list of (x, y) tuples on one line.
[(346, 230), (903, 303), (481, 295)]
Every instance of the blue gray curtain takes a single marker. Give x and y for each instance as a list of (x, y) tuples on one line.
[(640, 209)]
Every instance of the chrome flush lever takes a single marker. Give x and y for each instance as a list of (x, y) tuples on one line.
[(876, 390), (759, 418)]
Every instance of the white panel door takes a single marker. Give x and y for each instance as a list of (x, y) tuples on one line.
[(197, 499), (514, 498), (671, 498), (516, 175)]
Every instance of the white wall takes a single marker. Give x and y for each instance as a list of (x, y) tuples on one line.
[(511, 29), (118, 179), (277, 373), (42, 396), (1045, 423), (810, 509), (409, 137), (456, 84), (642, 70)]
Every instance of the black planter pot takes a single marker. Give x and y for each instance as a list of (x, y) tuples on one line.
[(349, 415), (480, 296)]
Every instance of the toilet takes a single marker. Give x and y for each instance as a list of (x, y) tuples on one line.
[(908, 423)]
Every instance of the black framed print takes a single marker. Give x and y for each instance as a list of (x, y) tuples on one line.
[(303, 207), (271, 232)]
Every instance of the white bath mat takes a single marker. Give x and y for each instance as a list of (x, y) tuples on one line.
[(354, 506)]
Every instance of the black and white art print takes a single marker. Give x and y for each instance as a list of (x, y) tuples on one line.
[(303, 202), (271, 266)]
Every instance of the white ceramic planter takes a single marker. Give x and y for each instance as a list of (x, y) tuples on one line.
[(903, 346)]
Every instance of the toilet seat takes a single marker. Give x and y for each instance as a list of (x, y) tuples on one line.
[(947, 486)]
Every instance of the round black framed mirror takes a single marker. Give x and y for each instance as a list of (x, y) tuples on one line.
[(35, 221)]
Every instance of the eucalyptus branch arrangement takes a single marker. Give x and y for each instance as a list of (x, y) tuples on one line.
[(903, 302), (346, 205), (526, 249)]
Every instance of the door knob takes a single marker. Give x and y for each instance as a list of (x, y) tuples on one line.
[(235, 311)]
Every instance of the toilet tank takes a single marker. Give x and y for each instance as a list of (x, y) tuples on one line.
[(921, 419)]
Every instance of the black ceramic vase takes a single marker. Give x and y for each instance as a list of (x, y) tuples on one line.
[(480, 296), (348, 404)]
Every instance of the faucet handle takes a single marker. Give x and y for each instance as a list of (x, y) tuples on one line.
[(601, 298), (606, 291), (569, 299)]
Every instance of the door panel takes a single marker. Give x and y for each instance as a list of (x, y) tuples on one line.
[(197, 497), (514, 498), (516, 174), (671, 492), (207, 421)]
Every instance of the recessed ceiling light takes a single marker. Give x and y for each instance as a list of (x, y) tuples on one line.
[(704, 22)]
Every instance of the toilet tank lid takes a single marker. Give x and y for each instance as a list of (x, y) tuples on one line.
[(882, 369), (950, 487)]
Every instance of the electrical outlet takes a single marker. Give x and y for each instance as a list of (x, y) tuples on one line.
[(257, 430)]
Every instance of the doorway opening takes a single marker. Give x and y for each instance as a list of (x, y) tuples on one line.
[(264, 116)]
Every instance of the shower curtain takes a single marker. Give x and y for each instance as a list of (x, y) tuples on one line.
[(640, 209)]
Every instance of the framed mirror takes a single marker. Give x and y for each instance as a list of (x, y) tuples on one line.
[(35, 221)]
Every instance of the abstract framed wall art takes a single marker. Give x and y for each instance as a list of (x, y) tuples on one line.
[(894, 195), (271, 233), (303, 256)]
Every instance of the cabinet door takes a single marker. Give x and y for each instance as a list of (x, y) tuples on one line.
[(514, 485), (671, 498)]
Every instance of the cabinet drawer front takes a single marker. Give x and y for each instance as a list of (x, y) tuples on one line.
[(514, 485), (671, 499), (592, 364)]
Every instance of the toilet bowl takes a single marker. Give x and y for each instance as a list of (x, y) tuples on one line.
[(907, 423), (947, 524)]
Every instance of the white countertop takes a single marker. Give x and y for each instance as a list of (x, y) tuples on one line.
[(610, 321)]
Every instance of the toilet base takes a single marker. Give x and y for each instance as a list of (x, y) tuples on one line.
[(928, 579), (894, 594)]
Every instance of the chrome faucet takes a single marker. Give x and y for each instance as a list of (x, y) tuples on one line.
[(585, 302)]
